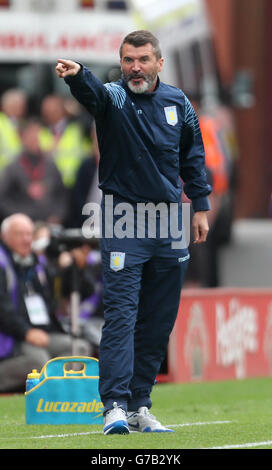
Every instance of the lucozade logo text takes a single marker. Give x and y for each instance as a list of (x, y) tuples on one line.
[(69, 407)]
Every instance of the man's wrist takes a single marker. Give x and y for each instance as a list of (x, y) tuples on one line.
[(201, 204), (70, 78)]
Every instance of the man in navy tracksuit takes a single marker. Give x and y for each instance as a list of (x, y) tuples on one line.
[(149, 139)]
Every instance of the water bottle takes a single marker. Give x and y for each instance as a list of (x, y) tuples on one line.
[(32, 379)]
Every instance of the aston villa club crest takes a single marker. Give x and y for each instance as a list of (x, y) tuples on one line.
[(117, 261), (171, 115)]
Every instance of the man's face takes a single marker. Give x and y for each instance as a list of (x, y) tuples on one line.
[(140, 67), (52, 110), (19, 237), (30, 138)]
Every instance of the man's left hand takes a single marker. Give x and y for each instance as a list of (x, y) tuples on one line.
[(200, 226)]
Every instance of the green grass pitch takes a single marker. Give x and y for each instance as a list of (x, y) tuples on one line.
[(229, 414)]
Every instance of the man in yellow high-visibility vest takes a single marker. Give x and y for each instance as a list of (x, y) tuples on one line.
[(13, 111), (63, 137)]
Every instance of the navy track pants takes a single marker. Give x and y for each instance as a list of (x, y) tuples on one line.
[(141, 300)]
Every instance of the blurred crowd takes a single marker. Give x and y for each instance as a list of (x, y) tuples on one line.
[(221, 156), (48, 171), (47, 162)]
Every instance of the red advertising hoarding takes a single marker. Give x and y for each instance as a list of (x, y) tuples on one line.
[(221, 334)]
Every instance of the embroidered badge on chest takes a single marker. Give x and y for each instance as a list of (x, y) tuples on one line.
[(117, 260), (171, 115)]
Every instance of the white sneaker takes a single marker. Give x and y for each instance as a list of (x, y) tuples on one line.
[(143, 421), (115, 421)]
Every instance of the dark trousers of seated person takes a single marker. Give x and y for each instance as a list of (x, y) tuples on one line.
[(14, 369)]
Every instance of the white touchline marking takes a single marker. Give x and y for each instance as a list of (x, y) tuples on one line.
[(248, 444), (101, 432), (51, 435), (204, 423), (67, 435), (197, 423)]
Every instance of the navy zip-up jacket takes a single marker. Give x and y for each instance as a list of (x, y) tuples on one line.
[(148, 142)]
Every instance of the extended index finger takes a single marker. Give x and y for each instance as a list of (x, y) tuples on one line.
[(65, 62)]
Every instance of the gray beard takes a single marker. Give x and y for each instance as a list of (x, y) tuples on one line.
[(23, 261), (138, 89)]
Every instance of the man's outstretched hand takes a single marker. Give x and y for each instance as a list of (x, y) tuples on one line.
[(66, 68)]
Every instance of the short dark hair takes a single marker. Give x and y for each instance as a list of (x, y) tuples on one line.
[(31, 121), (141, 38)]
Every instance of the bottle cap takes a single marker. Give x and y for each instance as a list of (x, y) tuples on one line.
[(33, 375)]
